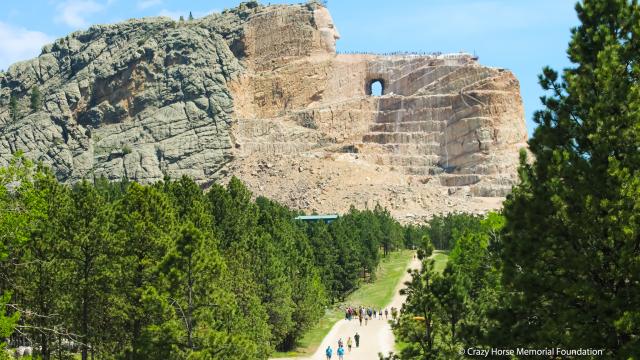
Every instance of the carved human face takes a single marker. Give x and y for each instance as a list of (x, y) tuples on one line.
[(328, 31)]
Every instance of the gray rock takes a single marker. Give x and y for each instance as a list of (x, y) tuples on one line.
[(140, 99)]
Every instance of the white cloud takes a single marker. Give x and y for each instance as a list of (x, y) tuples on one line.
[(73, 13), (18, 44), (145, 4)]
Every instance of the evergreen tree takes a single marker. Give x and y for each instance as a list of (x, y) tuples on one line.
[(418, 324), (130, 271), (35, 99), (235, 217), (571, 254), (190, 16), (325, 258), (392, 235), (40, 278), (92, 280), (13, 107), (144, 221), (7, 323)]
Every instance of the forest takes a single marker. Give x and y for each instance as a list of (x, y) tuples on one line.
[(556, 273), (169, 271)]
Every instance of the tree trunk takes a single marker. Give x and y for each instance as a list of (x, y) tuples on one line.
[(190, 307), (85, 316), (44, 343)]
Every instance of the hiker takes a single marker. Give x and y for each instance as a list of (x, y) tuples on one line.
[(329, 352), (386, 313), (380, 314), (356, 337), (340, 344), (341, 353), (349, 343), (394, 313), (366, 320)]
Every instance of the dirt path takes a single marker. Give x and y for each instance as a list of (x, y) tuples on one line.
[(375, 337)]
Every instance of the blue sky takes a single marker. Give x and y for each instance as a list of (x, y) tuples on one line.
[(520, 35)]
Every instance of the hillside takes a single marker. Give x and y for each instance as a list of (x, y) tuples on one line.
[(259, 92)]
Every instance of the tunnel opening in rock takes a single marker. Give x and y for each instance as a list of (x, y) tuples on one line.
[(375, 87)]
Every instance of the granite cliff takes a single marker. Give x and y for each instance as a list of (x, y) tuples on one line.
[(259, 92)]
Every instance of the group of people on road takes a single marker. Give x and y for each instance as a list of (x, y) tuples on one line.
[(362, 314), (340, 350), (368, 313)]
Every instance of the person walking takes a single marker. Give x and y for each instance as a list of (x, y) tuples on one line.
[(360, 318), (386, 313), (380, 314), (366, 320), (356, 337), (349, 343), (341, 353), (329, 352), (340, 344)]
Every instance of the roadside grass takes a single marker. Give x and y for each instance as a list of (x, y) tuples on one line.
[(376, 294), (440, 260)]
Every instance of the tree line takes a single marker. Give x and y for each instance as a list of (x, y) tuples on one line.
[(559, 268), (447, 312), (125, 271)]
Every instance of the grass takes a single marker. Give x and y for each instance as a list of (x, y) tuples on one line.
[(441, 258), (377, 294)]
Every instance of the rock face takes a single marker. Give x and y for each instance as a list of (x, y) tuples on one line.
[(259, 92)]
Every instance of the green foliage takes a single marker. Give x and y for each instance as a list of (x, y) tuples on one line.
[(161, 271), (442, 230), (450, 311), (13, 107), (35, 99), (571, 254), (8, 321)]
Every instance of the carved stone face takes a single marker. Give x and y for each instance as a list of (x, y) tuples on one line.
[(328, 31)]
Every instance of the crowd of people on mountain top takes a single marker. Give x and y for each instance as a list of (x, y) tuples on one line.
[(363, 314)]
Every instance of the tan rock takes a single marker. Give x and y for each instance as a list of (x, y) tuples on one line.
[(258, 92)]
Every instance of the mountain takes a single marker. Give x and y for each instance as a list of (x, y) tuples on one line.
[(260, 93)]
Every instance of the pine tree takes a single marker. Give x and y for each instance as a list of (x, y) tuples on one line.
[(13, 107), (418, 324), (7, 322), (571, 254), (89, 254), (40, 281), (190, 16), (144, 221), (35, 103)]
